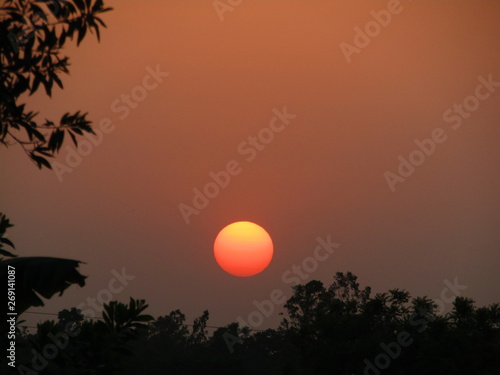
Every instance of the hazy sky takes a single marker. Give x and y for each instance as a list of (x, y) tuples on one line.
[(361, 104)]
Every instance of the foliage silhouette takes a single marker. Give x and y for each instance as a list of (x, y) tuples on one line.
[(84, 346), (44, 276), (325, 330), (32, 35)]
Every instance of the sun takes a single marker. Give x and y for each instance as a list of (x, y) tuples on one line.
[(243, 249)]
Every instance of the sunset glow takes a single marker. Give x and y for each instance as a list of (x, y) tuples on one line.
[(243, 249), (239, 149)]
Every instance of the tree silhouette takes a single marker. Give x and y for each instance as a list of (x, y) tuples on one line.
[(81, 346), (347, 331), (338, 329), (33, 276), (32, 35)]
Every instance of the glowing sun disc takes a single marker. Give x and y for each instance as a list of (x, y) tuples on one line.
[(243, 249)]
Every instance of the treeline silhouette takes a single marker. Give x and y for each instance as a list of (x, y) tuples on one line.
[(337, 329)]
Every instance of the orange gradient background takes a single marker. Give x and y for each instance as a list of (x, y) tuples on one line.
[(322, 175)]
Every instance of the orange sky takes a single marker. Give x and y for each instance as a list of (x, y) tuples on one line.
[(323, 174)]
